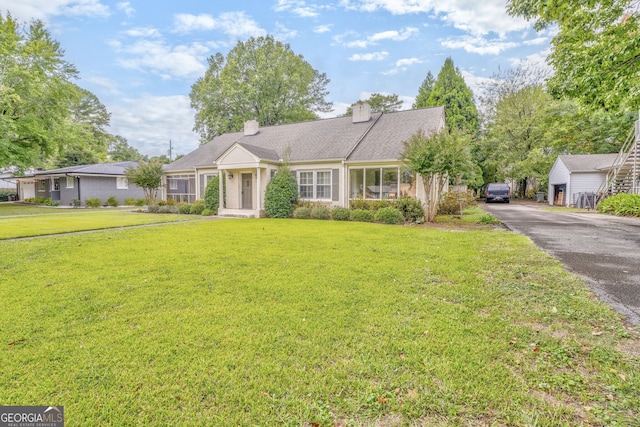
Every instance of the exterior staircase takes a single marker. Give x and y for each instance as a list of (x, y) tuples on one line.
[(625, 171)]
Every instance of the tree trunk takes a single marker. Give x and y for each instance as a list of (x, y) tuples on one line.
[(433, 185)]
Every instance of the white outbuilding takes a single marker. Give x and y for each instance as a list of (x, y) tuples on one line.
[(576, 178)]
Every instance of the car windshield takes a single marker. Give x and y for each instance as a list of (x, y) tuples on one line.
[(498, 187)]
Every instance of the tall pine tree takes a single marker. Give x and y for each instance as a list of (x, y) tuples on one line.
[(425, 90), (451, 91)]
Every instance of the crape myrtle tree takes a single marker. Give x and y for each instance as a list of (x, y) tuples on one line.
[(148, 176), (437, 157), (260, 79), (595, 52)]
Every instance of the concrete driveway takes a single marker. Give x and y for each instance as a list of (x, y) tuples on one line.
[(603, 249)]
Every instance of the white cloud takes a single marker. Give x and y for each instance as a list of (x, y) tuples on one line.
[(299, 8), (475, 17), (149, 122), (322, 29), (408, 61), (284, 33), (536, 42), (26, 10), (478, 45), (373, 56), (183, 61), (236, 25), (395, 35), (126, 7), (148, 32), (109, 85), (361, 44)]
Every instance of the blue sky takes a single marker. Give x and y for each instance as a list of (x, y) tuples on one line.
[(141, 57)]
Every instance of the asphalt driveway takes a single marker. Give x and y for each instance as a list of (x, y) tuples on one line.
[(603, 249)]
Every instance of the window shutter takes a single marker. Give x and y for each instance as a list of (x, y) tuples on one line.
[(335, 185)]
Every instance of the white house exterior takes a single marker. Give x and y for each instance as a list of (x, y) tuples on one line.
[(573, 175), (335, 160)]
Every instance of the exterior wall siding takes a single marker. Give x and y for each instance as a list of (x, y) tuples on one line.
[(587, 182), (103, 188), (558, 175)]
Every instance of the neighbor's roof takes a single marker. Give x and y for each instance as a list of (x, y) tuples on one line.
[(588, 162), (116, 168), (380, 138)]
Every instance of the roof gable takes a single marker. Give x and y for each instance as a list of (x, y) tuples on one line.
[(588, 162)]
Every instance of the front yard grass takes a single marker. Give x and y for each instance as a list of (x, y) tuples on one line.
[(317, 323), (67, 220)]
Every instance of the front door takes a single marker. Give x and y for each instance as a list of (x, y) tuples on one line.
[(247, 194)]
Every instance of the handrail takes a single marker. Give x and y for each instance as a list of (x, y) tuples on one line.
[(620, 160)]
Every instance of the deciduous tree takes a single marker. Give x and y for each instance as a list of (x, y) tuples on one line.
[(379, 103), (259, 79), (148, 176)]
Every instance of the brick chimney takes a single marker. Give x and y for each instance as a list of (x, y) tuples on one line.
[(251, 127), (361, 112)]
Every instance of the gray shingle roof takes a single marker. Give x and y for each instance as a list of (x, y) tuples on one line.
[(381, 138), (588, 162), (116, 168)]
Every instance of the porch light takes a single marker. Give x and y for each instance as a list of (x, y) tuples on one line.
[(230, 176)]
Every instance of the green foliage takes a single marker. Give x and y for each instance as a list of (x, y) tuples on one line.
[(120, 151), (155, 209), (112, 201), (451, 201), (621, 204), (185, 209), (321, 212), (281, 194), (362, 215), (93, 202), (6, 195), (76, 203), (488, 219), (424, 92), (302, 212), (148, 176), (197, 208), (140, 202), (341, 214), (50, 202), (389, 215), (207, 212), (212, 195), (451, 91), (595, 50), (130, 201), (379, 104), (411, 208), (369, 205), (261, 79)]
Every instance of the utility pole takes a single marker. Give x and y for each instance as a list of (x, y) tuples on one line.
[(170, 150)]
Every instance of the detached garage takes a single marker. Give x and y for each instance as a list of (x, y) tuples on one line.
[(574, 176)]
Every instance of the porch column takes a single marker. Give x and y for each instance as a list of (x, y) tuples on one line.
[(259, 192), (220, 191)]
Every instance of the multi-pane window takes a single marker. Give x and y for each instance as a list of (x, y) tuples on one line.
[(374, 183), (42, 185), (122, 183), (56, 184), (314, 185)]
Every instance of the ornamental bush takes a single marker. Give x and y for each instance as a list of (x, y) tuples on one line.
[(212, 195), (302, 213), (113, 201), (362, 215), (389, 215), (411, 209), (185, 209), (450, 203), (93, 202), (621, 204), (341, 214), (281, 194), (196, 208), (321, 212)]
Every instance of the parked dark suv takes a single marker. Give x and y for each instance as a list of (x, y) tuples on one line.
[(498, 192)]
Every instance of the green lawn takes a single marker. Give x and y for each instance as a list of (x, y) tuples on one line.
[(301, 322), (41, 220)]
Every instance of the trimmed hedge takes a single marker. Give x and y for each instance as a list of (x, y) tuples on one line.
[(361, 215), (389, 215), (341, 214), (321, 213), (302, 213)]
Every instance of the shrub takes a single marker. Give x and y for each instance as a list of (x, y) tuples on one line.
[(370, 205), (93, 202), (488, 219), (389, 216), (130, 201), (76, 203), (52, 202), (361, 215), (112, 201), (140, 202), (411, 208), (341, 214), (450, 203), (161, 202), (207, 212), (212, 195), (6, 195), (171, 202), (185, 209), (281, 194), (153, 208), (321, 212), (621, 205), (197, 208), (164, 209), (302, 213)]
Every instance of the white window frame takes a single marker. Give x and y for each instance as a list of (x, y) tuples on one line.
[(313, 183), (41, 186), (70, 181), (173, 183), (122, 183)]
